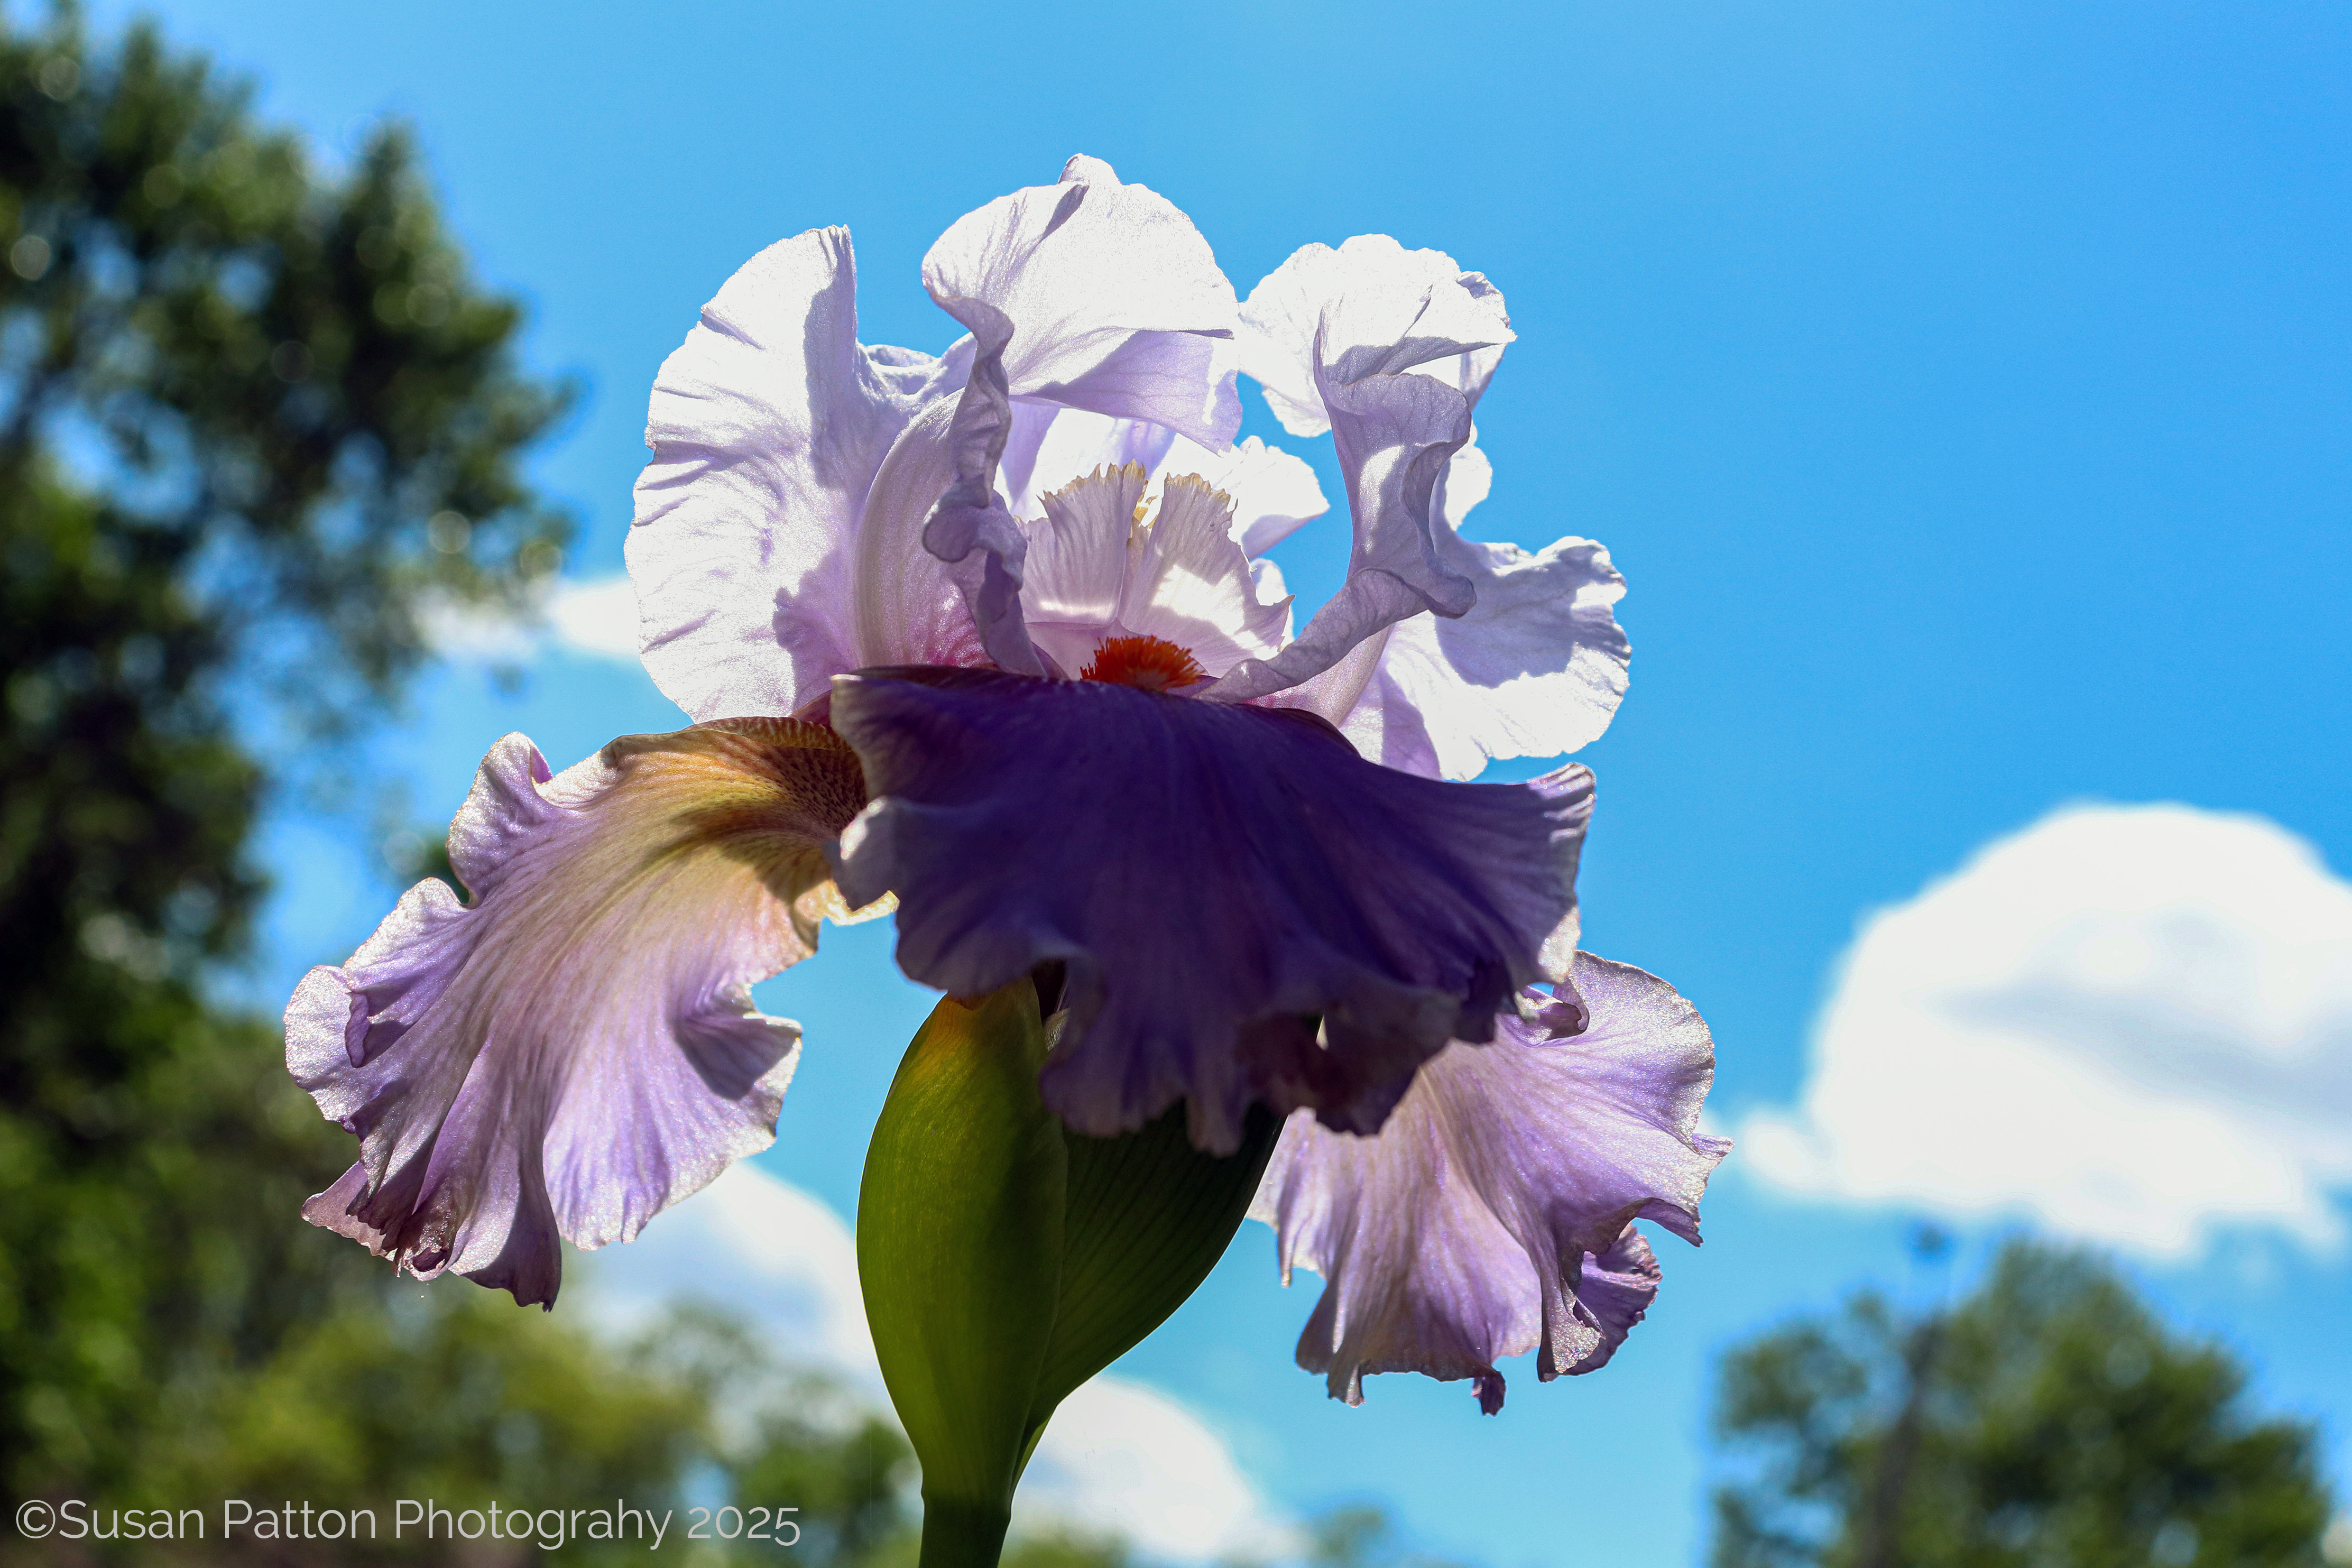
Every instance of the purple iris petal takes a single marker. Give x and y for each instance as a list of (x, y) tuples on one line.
[(1490, 1214), (1215, 876), (576, 1049), (768, 425), (1090, 293), (1613, 1291), (1536, 668), (1390, 349), (1616, 1288)]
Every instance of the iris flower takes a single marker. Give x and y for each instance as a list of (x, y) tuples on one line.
[(992, 638)]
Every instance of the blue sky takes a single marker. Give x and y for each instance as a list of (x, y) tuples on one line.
[(1961, 387)]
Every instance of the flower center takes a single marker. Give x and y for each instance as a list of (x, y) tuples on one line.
[(1153, 664)]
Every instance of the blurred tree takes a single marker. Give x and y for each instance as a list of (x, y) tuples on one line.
[(2050, 1420), (1359, 1535), (254, 419), (1064, 1550)]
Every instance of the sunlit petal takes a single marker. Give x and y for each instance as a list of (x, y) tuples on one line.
[(1389, 349), (576, 1049), (1535, 669), (1489, 1215), (767, 426), (1093, 294)]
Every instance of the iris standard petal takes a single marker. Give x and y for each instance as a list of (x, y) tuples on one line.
[(1369, 307), (1395, 347), (576, 1047), (1091, 294), (767, 426), (1489, 1216), (1051, 446), (1214, 876), (1274, 493), (1535, 669), (1096, 569), (907, 605)]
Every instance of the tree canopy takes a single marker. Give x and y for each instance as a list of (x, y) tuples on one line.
[(2050, 1420)]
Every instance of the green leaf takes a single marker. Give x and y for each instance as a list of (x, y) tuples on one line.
[(960, 1248), (1005, 1260), (1146, 1218)]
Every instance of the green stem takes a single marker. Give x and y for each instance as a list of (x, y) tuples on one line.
[(958, 1534)]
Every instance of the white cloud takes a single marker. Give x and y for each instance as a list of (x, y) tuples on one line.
[(597, 617), (474, 633), (2132, 1025), (1119, 1457), (758, 1246)]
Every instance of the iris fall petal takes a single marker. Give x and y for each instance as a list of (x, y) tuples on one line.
[(1489, 1215), (576, 1049), (1214, 876)]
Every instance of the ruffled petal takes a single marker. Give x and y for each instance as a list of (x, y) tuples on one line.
[(1214, 878), (1332, 693), (1617, 1288), (1096, 569), (1051, 446), (576, 1049), (767, 426), (1079, 555), (908, 607), (1535, 669), (1370, 306), (1394, 347), (1272, 491), (1095, 294), (1191, 584), (1490, 1214), (1092, 294)]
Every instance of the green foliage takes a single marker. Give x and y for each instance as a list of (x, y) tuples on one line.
[(448, 1395), (256, 419), (958, 1246), (983, 1221), (252, 417), (2050, 1419), (1066, 1551), (224, 432), (287, 371), (1360, 1536), (1147, 1218)]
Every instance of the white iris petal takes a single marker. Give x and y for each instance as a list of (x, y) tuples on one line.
[(1104, 563)]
